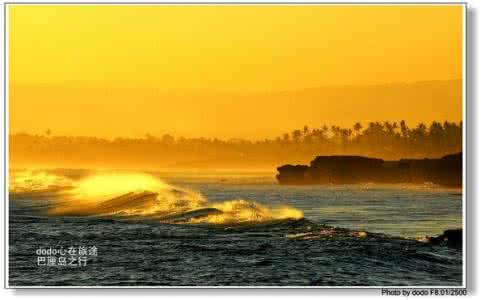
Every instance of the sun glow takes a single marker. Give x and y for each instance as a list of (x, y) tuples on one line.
[(109, 185), (191, 68)]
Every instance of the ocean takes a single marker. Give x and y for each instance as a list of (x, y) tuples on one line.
[(379, 245)]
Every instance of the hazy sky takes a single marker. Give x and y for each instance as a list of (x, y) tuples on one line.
[(229, 71)]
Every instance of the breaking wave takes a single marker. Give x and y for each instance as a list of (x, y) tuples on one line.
[(139, 196), (36, 183)]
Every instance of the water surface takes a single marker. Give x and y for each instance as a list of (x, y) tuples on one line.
[(147, 253)]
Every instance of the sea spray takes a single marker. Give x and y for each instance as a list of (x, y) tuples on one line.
[(31, 181), (143, 196)]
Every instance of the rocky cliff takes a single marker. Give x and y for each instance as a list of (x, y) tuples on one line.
[(446, 171)]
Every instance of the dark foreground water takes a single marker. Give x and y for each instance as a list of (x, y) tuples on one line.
[(147, 253)]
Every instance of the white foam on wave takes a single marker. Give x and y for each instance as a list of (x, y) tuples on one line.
[(144, 196)]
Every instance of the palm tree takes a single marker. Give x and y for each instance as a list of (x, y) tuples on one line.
[(305, 130), (389, 127), (357, 128), (296, 134), (324, 130), (422, 127), (404, 129), (286, 138)]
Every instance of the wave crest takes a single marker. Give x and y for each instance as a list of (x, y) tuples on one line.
[(143, 196)]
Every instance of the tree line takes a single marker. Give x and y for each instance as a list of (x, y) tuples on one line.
[(387, 140)]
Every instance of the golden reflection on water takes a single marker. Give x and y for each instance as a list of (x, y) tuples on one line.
[(142, 195)]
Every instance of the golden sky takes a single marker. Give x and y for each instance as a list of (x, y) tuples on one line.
[(227, 70)]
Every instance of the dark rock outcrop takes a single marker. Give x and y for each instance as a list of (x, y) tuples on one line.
[(446, 171), (293, 174), (451, 237)]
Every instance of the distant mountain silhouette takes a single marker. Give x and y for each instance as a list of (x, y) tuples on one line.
[(223, 115)]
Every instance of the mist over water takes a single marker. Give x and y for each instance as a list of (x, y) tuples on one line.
[(229, 230), (140, 196)]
